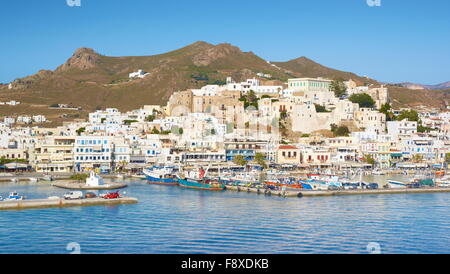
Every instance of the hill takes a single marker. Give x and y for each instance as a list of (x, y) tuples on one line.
[(93, 81), (441, 86)]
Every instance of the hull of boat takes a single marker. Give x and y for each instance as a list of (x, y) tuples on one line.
[(396, 184), (294, 186), (195, 184), (159, 181)]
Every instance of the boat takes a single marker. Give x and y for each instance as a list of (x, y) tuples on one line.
[(48, 178), (120, 176), (139, 176), (288, 183), (94, 180), (161, 176), (199, 181), (240, 179), (14, 196), (443, 182), (1, 198), (423, 180), (398, 184)]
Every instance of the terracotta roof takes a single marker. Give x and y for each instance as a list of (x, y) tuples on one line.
[(287, 147)]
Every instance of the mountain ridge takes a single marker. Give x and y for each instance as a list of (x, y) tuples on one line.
[(92, 81)]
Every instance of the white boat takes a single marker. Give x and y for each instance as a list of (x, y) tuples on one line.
[(397, 184), (14, 196), (48, 178), (94, 180), (120, 176), (443, 182), (378, 172), (1, 198)]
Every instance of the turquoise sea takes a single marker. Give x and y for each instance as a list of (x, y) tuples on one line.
[(174, 220)]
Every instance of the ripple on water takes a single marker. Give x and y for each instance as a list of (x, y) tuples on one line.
[(173, 220)]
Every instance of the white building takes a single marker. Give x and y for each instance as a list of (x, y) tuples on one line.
[(401, 129), (139, 74)]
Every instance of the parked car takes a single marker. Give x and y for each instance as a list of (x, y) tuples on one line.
[(349, 186), (90, 195), (372, 186), (414, 185), (112, 195), (73, 195)]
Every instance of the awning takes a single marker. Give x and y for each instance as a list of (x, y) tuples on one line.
[(15, 166)]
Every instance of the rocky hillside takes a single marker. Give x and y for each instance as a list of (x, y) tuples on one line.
[(441, 86), (92, 81)]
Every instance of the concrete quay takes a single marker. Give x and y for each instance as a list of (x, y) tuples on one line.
[(60, 203), (324, 193)]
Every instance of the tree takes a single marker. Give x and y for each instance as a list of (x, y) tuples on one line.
[(240, 160), (150, 118), (386, 110), (339, 130), (250, 99), (181, 131), (155, 131), (80, 177), (447, 157), (260, 159), (80, 130), (369, 159), (320, 108), (339, 88), (417, 158), (411, 115), (342, 131), (129, 122), (364, 100)]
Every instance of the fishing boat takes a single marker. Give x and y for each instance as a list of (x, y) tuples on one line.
[(443, 182), (423, 180), (197, 180), (285, 182), (14, 196), (161, 176), (48, 178), (378, 172), (397, 184)]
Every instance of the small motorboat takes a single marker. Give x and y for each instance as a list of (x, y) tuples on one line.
[(1, 198), (48, 178), (161, 176), (14, 196), (397, 184), (378, 172), (443, 182)]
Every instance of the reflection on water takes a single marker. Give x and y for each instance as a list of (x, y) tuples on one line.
[(175, 220)]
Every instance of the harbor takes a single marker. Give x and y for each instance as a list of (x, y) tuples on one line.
[(230, 221)]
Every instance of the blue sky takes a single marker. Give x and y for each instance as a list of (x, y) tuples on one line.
[(401, 40)]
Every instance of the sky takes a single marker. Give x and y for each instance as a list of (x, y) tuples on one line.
[(395, 41)]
